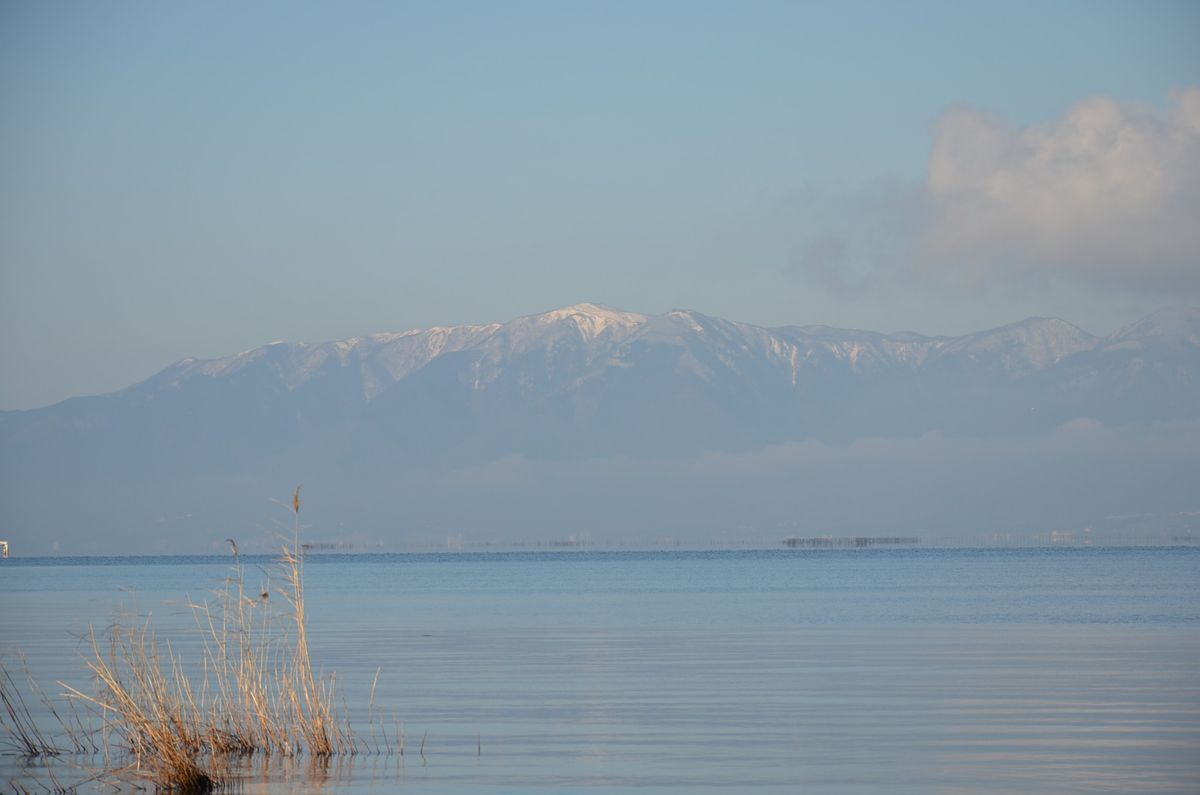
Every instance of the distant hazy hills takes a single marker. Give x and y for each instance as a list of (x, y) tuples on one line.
[(580, 383)]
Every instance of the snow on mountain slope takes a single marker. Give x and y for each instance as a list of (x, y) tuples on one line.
[(579, 343), (1021, 348), (1176, 327)]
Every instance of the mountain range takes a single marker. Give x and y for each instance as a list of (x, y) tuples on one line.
[(582, 383)]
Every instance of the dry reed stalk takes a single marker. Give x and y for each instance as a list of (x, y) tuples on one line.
[(24, 735), (311, 701)]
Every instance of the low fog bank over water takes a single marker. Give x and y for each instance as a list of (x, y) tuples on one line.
[(1082, 483)]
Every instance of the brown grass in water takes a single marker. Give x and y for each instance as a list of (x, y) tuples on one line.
[(21, 732), (256, 692)]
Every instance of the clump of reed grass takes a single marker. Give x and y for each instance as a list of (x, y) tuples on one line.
[(256, 690), (145, 699)]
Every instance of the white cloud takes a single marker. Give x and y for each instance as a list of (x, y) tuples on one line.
[(1107, 194)]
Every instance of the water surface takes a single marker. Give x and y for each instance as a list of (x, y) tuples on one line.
[(845, 671)]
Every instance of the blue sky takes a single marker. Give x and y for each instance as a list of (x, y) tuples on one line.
[(198, 179)]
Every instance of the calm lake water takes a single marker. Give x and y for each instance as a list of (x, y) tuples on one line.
[(834, 671)]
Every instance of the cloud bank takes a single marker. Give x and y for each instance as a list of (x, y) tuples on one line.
[(1108, 194)]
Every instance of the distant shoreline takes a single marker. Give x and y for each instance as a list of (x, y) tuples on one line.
[(574, 552)]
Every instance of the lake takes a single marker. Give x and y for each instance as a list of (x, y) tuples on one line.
[(830, 670)]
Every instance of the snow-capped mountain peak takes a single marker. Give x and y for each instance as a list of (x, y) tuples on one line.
[(592, 320)]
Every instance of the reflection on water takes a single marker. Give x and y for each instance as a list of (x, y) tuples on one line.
[(846, 672)]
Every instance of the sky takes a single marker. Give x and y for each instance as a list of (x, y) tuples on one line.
[(199, 179)]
